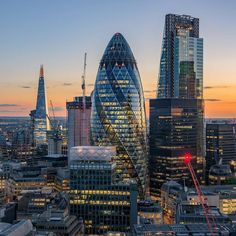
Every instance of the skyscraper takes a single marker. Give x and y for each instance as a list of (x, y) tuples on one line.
[(118, 112), (181, 64), (78, 120), (79, 112), (41, 121), (176, 128), (176, 116)]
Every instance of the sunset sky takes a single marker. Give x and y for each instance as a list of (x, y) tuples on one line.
[(56, 33)]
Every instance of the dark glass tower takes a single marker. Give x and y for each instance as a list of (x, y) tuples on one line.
[(41, 121), (176, 116), (220, 145), (175, 129), (118, 112)]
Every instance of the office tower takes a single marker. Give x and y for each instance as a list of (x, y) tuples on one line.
[(95, 195), (181, 64), (176, 116), (220, 145), (118, 112), (78, 122), (175, 129), (41, 121)]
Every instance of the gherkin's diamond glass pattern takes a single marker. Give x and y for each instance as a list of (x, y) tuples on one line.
[(118, 112)]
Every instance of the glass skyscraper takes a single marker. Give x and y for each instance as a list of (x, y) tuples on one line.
[(181, 64), (176, 116), (118, 112), (41, 121), (176, 128)]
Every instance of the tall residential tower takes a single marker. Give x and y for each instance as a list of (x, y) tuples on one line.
[(118, 112)]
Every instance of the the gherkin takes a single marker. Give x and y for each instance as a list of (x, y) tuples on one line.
[(118, 111)]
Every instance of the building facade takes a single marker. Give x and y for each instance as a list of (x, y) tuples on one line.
[(176, 116), (118, 112), (175, 129), (41, 121), (220, 145), (95, 195), (181, 64), (78, 122)]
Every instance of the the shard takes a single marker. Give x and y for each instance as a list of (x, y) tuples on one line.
[(41, 121), (118, 112)]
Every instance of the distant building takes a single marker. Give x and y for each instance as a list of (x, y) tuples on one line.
[(57, 140), (78, 122), (40, 116), (95, 195), (220, 145), (181, 63)]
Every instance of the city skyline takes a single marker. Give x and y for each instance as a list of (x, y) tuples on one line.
[(34, 34)]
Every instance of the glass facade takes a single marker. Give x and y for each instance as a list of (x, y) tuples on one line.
[(181, 64), (78, 121), (118, 112), (95, 195), (41, 121), (175, 129), (176, 116), (188, 65)]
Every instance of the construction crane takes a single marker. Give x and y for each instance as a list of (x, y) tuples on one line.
[(83, 81), (83, 120), (210, 220), (55, 135)]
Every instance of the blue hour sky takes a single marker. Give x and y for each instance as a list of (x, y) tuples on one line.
[(56, 33)]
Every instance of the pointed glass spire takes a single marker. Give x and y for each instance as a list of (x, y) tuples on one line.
[(41, 114)]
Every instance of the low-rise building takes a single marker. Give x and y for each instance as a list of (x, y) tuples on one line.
[(181, 229), (95, 195), (149, 212), (59, 222), (194, 214)]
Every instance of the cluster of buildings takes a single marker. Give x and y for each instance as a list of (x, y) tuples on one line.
[(110, 173)]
